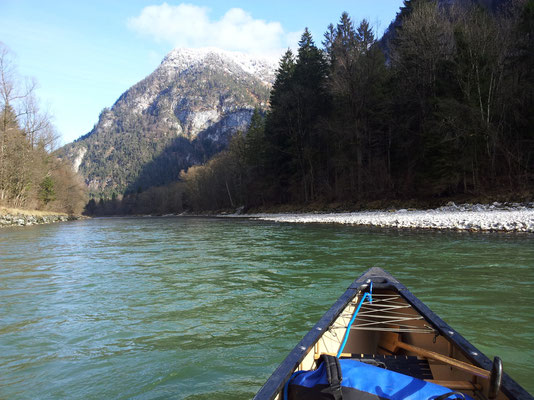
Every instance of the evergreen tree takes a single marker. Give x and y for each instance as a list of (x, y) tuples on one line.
[(255, 143), (278, 122), (356, 81), (90, 207), (311, 100), (284, 75), (328, 42), (47, 192)]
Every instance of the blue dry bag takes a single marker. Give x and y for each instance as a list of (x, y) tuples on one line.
[(351, 379)]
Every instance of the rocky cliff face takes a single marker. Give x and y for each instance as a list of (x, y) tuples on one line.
[(180, 115)]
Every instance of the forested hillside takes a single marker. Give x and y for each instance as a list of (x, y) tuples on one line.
[(31, 177), (445, 111)]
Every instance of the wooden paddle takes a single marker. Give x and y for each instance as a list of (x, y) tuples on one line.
[(390, 342)]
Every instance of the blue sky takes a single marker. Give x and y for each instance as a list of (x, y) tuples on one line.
[(85, 54)]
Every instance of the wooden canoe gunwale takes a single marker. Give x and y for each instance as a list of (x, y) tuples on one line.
[(381, 280)]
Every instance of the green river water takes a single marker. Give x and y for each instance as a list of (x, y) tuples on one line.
[(198, 308)]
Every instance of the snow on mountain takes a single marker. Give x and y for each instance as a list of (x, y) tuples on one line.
[(181, 59)]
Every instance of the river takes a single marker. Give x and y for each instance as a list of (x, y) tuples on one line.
[(199, 308)]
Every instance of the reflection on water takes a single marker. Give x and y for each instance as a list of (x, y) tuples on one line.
[(204, 308)]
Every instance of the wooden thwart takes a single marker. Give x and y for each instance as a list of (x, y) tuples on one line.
[(390, 342), (457, 385)]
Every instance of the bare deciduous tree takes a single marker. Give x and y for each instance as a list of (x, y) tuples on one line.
[(27, 138)]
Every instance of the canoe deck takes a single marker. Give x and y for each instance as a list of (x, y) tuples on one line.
[(390, 314), (396, 329)]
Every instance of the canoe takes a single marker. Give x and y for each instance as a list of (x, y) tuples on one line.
[(379, 326)]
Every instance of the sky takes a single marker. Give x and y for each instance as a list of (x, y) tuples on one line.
[(85, 54)]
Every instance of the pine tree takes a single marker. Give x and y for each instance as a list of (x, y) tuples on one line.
[(309, 141), (255, 141), (357, 75), (278, 123), (364, 37), (328, 42), (47, 192), (284, 75)]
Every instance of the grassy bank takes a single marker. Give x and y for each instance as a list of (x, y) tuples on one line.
[(36, 213)]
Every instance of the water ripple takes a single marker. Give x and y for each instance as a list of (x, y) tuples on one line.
[(187, 308)]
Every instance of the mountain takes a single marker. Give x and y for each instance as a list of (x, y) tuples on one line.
[(178, 116)]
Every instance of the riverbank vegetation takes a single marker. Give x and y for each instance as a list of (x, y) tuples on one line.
[(31, 177), (439, 108)]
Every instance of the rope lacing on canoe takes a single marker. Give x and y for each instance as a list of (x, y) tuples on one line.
[(385, 314)]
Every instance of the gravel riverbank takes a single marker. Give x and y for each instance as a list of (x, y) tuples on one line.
[(501, 217), (29, 219)]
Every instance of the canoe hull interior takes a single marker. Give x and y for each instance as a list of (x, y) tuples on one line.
[(398, 330)]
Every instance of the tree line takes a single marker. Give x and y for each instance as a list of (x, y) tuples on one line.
[(441, 107), (31, 177)]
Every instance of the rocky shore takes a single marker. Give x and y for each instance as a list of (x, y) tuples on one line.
[(497, 217), (27, 220)]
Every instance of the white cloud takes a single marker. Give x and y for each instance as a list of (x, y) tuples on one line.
[(187, 25)]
